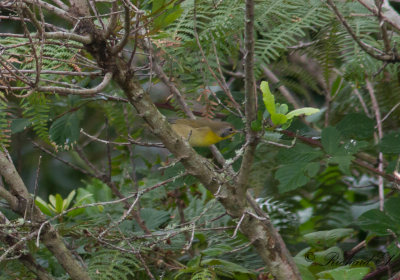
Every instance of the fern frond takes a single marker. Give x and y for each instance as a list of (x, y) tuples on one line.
[(5, 132), (36, 108), (113, 265)]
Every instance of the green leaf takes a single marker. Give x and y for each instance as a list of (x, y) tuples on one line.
[(278, 119), (52, 200), (356, 126), (281, 109), (392, 208), (345, 273), (299, 153), (330, 139), (390, 143), (217, 250), (43, 206), (59, 203), (65, 130), (312, 169), (377, 222), (291, 176), (343, 162), (305, 273), (268, 98), (166, 14), (68, 200), (327, 238), (332, 257), (157, 5), (301, 257), (303, 111), (354, 146)]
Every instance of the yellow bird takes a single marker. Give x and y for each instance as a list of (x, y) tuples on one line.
[(203, 132)]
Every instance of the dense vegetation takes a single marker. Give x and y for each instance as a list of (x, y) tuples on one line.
[(318, 149)]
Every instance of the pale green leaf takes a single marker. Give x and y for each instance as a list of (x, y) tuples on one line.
[(303, 111), (268, 98), (43, 206)]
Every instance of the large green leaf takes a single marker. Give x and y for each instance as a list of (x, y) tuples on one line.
[(327, 238), (291, 176), (377, 222), (343, 161), (357, 126), (332, 257), (390, 143), (345, 273), (330, 140), (299, 153), (392, 208)]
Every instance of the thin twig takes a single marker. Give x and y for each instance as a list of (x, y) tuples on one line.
[(131, 141), (378, 119)]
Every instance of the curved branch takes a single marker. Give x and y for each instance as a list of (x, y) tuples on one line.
[(97, 89)]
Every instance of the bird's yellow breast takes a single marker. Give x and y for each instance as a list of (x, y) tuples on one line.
[(197, 137)]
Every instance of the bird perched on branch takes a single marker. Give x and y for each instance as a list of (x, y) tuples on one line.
[(203, 132)]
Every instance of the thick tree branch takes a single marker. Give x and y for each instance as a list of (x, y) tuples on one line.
[(251, 99)]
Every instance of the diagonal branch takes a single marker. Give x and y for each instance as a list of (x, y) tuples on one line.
[(377, 54)]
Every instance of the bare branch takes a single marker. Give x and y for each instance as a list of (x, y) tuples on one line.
[(131, 141), (97, 89), (87, 39)]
